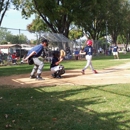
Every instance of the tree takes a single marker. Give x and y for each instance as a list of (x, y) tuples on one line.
[(91, 16), (3, 34), (16, 39), (58, 14), (102, 12), (6, 36), (38, 26), (75, 34), (93, 22), (4, 4), (125, 32), (115, 19)]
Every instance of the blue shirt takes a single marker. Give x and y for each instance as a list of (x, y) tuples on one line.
[(38, 49), (115, 48), (76, 52), (88, 50)]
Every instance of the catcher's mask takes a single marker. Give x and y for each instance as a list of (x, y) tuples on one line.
[(56, 54)]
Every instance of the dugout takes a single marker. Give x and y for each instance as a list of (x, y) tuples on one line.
[(57, 40), (9, 48)]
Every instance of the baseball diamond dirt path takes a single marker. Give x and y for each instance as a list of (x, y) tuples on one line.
[(113, 75)]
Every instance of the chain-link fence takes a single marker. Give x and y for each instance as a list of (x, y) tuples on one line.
[(21, 36)]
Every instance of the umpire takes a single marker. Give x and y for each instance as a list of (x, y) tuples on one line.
[(32, 58)]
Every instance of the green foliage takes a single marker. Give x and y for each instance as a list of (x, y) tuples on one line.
[(3, 43), (56, 14), (3, 34), (91, 16), (17, 39), (121, 39), (37, 25), (75, 34), (93, 22), (125, 32), (6, 36), (115, 13), (103, 43), (118, 14)]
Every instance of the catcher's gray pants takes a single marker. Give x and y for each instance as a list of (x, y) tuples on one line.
[(56, 68), (89, 63), (38, 66)]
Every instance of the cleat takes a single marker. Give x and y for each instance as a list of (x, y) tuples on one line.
[(59, 77), (95, 71), (82, 72), (32, 77), (54, 75), (39, 77)]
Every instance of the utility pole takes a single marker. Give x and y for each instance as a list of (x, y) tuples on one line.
[(106, 35), (19, 44)]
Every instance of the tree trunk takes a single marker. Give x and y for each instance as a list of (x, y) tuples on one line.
[(3, 11)]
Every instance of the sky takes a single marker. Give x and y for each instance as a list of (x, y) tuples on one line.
[(14, 20)]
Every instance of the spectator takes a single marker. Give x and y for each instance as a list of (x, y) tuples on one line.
[(9, 59), (68, 53), (100, 50), (1, 58), (14, 58), (76, 53)]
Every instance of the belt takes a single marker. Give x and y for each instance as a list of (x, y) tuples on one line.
[(88, 55)]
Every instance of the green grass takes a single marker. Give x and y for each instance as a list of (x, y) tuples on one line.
[(66, 108), (99, 62), (102, 107), (18, 69), (104, 57)]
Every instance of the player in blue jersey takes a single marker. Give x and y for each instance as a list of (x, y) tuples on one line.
[(88, 51), (115, 52), (33, 55)]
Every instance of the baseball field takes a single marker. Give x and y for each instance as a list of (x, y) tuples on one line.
[(74, 102)]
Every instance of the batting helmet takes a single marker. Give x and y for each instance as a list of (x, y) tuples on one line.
[(89, 42)]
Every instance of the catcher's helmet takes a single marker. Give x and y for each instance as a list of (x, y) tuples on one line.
[(89, 42), (56, 54)]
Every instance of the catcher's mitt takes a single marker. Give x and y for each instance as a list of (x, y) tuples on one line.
[(62, 53)]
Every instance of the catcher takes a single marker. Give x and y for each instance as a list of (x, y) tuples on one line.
[(55, 67)]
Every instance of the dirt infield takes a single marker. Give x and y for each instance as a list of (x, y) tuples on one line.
[(113, 75)]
